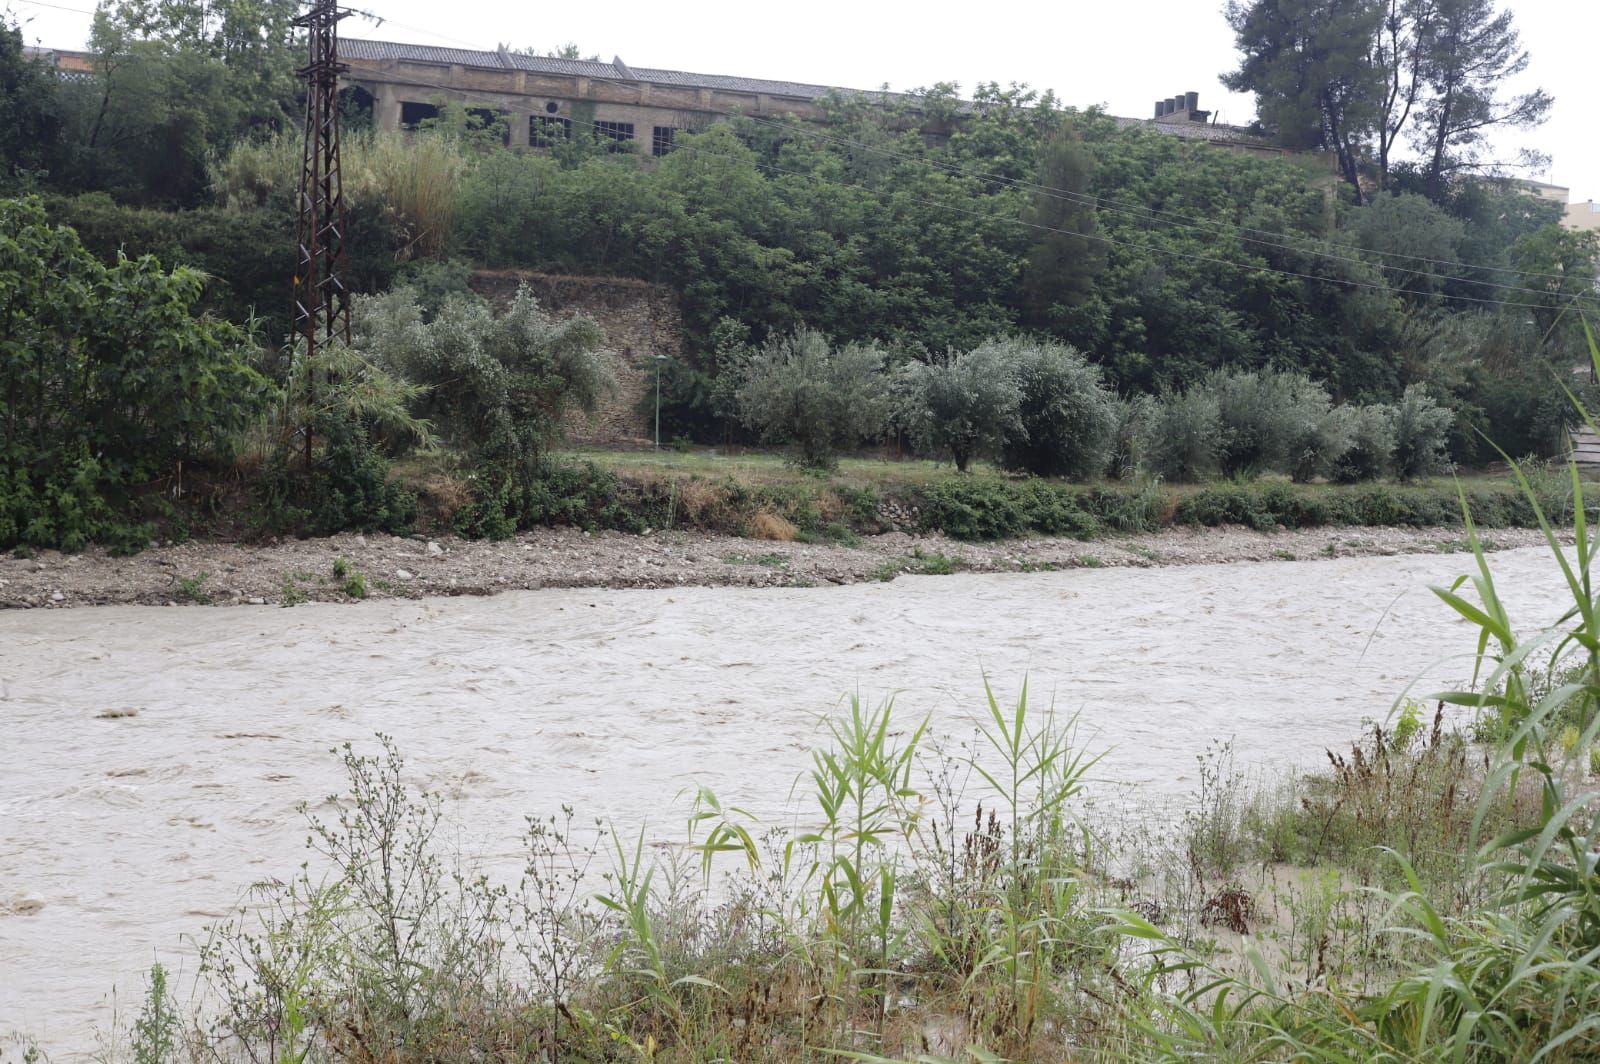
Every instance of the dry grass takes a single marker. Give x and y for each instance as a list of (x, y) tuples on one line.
[(768, 525), (413, 179)]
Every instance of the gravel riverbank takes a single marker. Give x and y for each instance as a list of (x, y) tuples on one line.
[(342, 568)]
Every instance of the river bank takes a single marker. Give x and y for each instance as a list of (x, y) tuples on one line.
[(348, 568)]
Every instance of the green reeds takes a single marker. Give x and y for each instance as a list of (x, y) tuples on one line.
[(1514, 976)]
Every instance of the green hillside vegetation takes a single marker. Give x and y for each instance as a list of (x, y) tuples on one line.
[(1045, 289)]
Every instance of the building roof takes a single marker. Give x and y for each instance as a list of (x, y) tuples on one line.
[(1217, 134), (377, 51)]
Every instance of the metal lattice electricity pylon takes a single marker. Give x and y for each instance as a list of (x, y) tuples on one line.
[(321, 299)]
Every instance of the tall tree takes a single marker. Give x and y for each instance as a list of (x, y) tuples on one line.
[(1308, 62), (29, 112), (1398, 54), (173, 82), (1560, 266), (1472, 51), (1064, 258)]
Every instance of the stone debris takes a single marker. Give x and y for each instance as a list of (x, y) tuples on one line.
[(567, 558)]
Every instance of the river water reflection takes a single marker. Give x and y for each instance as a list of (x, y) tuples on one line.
[(121, 833)]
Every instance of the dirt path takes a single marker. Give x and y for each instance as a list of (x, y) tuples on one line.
[(342, 568)]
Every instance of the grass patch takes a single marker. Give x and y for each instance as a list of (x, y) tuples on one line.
[(291, 593), (751, 494), (917, 563), (192, 589)]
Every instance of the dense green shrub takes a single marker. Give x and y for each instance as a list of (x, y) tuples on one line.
[(966, 403), (246, 257), (431, 283), (989, 508), (687, 407), (1228, 504), (801, 389), (1137, 507), (976, 511), (496, 387), (1125, 459), (347, 489), (1275, 422), (109, 381), (1180, 437), (1051, 510), (1067, 415), (1371, 449), (1421, 435)]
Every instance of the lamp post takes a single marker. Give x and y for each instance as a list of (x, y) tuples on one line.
[(659, 359)]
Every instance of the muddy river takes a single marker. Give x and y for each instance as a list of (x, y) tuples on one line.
[(154, 758)]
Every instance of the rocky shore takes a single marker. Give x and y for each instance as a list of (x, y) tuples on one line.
[(348, 568)]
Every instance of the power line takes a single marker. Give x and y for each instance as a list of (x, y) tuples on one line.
[(379, 20), (1125, 207), (1157, 248), (57, 7)]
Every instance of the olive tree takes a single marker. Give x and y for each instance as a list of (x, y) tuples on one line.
[(1421, 435), (801, 390), (1273, 421), (966, 403), (1066, 417), (497, 387)]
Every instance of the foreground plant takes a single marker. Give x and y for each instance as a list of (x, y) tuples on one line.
[(1516, 977)]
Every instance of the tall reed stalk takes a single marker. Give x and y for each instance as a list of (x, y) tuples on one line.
[(1514, 979)]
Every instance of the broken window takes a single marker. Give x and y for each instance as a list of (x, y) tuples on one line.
[(546, 130), (357, 109), (661, 140), (489, 118), (413, 114), (618, 133)]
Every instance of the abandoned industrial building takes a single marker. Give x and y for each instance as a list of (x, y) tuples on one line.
[(537, 101), (544, 99)]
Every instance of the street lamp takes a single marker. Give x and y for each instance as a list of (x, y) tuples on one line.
[(659, 359)]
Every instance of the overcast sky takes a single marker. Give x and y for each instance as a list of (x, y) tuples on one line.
[(1123, 55)]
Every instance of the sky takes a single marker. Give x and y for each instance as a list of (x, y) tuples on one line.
[(1121, 55)]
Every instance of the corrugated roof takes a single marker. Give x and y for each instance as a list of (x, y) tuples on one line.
[(738, 84), (1199, 131), (355, 48), (546, 64)]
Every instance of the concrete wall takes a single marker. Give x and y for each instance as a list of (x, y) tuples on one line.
[(1584, 217), (640, 320)]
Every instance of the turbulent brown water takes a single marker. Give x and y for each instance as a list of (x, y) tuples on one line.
[(122, 833)]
